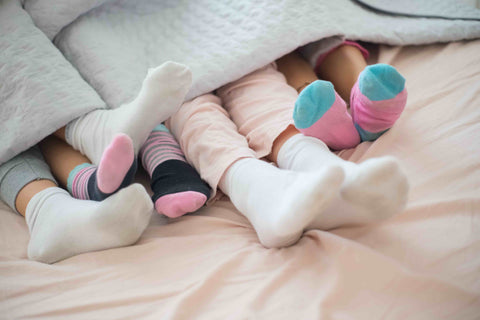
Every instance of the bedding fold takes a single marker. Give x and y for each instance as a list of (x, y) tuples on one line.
[(40, 91), (114, 45)]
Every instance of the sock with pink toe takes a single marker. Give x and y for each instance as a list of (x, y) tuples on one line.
[(115, 171), (321, 113), (176, 185), (377, 100)]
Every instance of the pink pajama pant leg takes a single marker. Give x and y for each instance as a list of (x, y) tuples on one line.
[(209, 138), (261, 105)]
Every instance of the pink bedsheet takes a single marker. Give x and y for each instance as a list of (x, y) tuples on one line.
[(422, 264)]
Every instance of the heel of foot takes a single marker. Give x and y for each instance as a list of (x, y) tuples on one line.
[(177, 204), (116, 164), (312, 103), (319, 190), (379, 191), (380, 82)]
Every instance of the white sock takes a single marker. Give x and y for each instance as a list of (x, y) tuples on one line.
[(162, 93), (373, 190), (61, 226), (280, 204)]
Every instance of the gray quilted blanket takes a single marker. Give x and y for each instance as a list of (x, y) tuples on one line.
[(112, 44)]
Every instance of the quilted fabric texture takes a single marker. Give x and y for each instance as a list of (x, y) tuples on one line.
[(52, 18), (453, 9), (40, 91), (114, 45)]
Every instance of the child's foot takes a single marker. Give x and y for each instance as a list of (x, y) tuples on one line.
[(162, 93), (373, 190), (116, 170), (280, 204), (380, 182), (176, 185), (61, 226), (377, 100), (321, 113)]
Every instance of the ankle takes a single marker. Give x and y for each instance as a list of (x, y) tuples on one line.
[(285, 136)]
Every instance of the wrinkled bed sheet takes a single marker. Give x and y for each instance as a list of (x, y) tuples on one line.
[(423, 263)]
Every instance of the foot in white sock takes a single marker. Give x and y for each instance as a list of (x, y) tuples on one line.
[(61, 226), (373, 190), (280, 204), (162, 93)]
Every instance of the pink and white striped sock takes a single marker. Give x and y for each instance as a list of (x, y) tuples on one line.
[(177, 187)]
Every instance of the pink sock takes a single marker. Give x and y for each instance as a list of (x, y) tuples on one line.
[(177, 187), (115, 163), (377, 100), (116, 170), (321, 113), (177, 204)]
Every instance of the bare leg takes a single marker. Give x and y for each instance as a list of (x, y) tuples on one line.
[(61, 158), (30, 190), (341, 67), (60, 133), (281, 139), (336, 128), (296, 70)]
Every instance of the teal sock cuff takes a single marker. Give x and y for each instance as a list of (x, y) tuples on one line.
[(161, 127), (73, 174), (367, 135)]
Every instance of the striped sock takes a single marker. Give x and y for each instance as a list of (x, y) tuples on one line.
[(177, 187), (116, 170)]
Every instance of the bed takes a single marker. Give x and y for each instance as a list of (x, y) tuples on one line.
[(423, 263)]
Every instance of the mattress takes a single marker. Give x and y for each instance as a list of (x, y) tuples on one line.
[(423, 263)]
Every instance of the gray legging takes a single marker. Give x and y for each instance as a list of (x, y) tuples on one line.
[(19, 171)]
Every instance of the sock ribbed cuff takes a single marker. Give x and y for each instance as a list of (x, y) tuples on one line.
[(73, 174)]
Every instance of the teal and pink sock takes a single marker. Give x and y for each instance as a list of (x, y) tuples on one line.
[(116, 170), (321, 113), (377, 100), (177, 187)]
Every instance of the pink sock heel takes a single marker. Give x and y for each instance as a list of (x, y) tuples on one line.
[(115, 163), (177, 204)]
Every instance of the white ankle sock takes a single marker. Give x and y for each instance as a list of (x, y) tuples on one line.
[(162, 93), (280, 204), (61, 226), (373, 190)]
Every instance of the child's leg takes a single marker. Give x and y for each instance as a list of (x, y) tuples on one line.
[(61, 226), (280, 204), (297, 71), (162, 93), (177, 187), (258, 110), (85, 181), (342, 66), (376, 93), (319, 111)]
